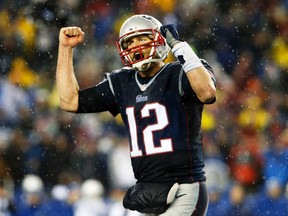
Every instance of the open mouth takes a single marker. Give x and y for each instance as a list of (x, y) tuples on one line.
[(138, 56)]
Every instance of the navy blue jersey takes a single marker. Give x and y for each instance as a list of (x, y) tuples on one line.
[(163, 117)]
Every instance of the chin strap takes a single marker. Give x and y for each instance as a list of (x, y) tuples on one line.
[(145, 64), (142, 66)]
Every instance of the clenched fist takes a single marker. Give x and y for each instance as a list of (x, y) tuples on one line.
[(71, 36)]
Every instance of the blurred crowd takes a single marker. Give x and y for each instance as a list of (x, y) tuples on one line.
[(58, 163)]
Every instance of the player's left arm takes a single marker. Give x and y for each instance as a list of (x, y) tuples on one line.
[(200, 79)]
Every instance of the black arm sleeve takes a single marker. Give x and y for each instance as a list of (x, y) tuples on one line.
[(97, 98)]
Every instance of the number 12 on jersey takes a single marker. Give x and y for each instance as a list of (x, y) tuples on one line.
[(161, 123)]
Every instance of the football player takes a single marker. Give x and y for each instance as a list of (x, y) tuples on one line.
[(161, 106)]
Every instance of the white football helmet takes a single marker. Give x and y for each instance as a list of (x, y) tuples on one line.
[(92, 189), (32, 184), (142, 25)]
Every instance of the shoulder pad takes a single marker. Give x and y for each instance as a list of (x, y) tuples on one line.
[(123, 69), (119, 71)]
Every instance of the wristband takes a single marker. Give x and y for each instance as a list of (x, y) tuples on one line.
[(186, 56)]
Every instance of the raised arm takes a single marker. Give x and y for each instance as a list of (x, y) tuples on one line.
[(200, 79), (66, 82)]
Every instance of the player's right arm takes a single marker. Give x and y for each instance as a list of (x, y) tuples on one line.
[(67, 85)]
